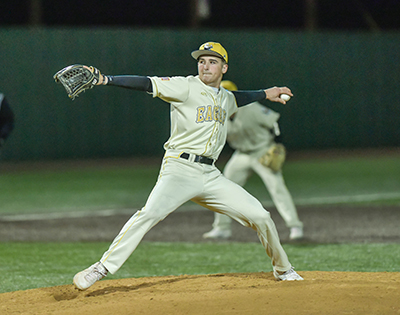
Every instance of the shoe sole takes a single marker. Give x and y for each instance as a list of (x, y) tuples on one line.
[(279, 279)]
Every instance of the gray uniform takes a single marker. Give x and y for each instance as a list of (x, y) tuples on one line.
[(250, 133)]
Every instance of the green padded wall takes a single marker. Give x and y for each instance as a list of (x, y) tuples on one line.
[(345, 86)]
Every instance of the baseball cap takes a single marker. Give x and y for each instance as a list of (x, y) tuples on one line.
[(229, 85), (211, 48)]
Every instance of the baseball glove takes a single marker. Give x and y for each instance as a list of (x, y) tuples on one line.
[(77, 79), (275, 157)]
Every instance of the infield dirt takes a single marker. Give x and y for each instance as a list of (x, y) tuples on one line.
[(252, 293)]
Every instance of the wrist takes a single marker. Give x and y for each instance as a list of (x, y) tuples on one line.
[(105, 80)]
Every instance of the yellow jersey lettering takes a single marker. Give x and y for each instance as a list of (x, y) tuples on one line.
[(223, 116), (200, 114), (209, 114), (212, 113), (216, 113)]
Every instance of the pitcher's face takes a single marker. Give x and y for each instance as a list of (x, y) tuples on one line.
[(211, 70)]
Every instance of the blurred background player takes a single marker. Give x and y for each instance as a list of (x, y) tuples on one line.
[(251, 132), (6, 120)]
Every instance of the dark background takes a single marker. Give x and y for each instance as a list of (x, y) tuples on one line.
[(339, 57), (366, 15)]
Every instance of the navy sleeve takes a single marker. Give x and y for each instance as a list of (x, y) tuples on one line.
[(135, 82), (247, 97)]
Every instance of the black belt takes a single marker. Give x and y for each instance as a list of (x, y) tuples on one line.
[(198, 158)]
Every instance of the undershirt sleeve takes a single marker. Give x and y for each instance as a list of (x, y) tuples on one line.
[(247, 97), (135, 82), (142, 83)]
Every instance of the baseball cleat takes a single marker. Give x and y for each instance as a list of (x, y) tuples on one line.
[(89, 276), (296, 233), (218, 234), (289, 275)]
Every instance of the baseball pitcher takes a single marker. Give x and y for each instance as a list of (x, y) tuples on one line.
[(199, 112)]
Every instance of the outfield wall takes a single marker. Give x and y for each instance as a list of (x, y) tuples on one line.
[(346, 87)]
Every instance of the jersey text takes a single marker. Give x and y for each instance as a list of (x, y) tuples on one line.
[(210, 113)]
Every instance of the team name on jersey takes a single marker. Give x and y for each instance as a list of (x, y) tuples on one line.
[(210, 113)]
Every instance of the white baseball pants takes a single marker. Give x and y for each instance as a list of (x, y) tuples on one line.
[(181, 180)]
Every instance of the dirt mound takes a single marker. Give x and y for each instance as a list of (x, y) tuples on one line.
[(251, 293)]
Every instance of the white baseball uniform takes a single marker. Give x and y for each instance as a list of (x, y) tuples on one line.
[(250, 134), (199, 116)]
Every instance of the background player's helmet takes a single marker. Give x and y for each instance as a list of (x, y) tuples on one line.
[(229, 85), (211, 48)]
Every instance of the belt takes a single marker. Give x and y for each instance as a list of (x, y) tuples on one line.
[(198, 158)]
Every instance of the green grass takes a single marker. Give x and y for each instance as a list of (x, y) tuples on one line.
[(32, 265), (80, 189), (339, 177), (128, 186)]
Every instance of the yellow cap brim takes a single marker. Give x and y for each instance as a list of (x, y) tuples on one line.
[(198, 53)]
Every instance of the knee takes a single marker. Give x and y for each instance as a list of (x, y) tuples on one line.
[(261, 218)]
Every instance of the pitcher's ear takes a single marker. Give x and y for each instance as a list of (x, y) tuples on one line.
[(224, 68)]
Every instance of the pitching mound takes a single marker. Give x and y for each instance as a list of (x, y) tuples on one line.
[(251, 293)]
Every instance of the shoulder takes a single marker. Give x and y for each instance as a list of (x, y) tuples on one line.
[(168, 83), (229, 97), (227, 94), (168, 79), (175, 88), (223, 90)]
